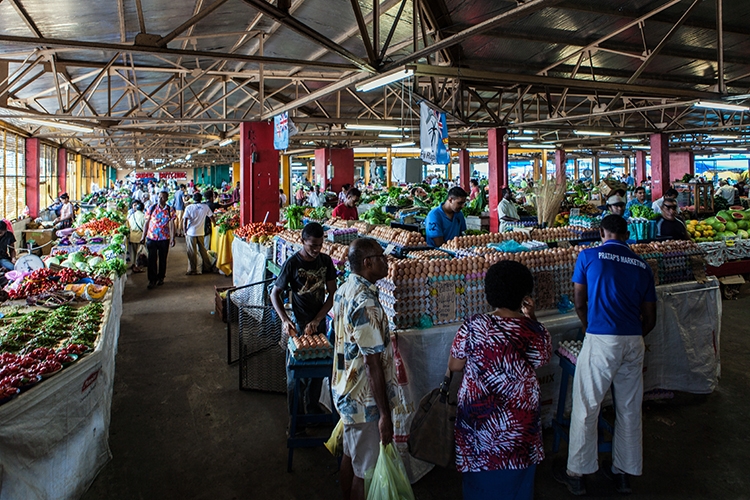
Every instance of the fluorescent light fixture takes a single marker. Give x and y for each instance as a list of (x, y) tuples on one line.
[(539, 146), (646, 148), (384, 128), (477, 150), (370, 150), (630, 139), (720, 105), (62, 125), (723, 137), (515, 131), (390, 136), (403, 144), (592, 132), (407, 150), (188, 156), (735, 149), (201, 151), (522, 138), (226, 142), (297, 164), (530, 132), (382, 80), (179, 160)]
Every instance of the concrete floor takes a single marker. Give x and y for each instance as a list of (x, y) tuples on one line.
[(181, 429)]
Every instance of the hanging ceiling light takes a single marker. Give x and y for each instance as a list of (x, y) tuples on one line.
[(62, 125), (720, 105), (226, 142), (592, 132), (384, 128), (380, 81)]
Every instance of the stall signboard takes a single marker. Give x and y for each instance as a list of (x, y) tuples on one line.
[(433, 136), (446, 300), (178, 176)]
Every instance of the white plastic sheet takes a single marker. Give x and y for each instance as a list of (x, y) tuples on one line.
[(249, 262), (54, 438), (682, 353)]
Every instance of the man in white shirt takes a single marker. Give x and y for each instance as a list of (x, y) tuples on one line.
[(194, 227), (726, 191), (506, 210), (316, 198)]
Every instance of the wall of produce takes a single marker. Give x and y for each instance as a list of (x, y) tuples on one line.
[(52, 316)]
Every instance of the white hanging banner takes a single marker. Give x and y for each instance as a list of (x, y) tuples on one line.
[(433, 135)]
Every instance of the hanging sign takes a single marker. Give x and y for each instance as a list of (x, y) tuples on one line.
[(281, 131), (446, 301), (178, 176), (433, 135)]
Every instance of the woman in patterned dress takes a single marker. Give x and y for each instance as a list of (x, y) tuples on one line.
[(498, 420)]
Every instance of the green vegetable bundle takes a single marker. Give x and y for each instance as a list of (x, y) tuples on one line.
[(643, 212), (294, 215)]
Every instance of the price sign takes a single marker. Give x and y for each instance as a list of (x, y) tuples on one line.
[(575, 212), (446, 300), (389, 249)]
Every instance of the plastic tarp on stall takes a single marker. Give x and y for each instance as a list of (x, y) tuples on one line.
[(249, 261), (682, 353), (54, 439)]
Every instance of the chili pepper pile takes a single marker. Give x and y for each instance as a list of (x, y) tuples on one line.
[(45, 281), (99, 226), (257, 229)]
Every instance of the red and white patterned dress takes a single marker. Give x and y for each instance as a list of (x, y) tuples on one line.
[(498, 419)]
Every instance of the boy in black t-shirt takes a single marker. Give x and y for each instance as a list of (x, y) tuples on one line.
[(8, 247), (311, 277)]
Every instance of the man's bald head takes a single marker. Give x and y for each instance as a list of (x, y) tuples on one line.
[(360, 249)]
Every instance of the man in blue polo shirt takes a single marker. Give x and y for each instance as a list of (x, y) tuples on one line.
[(445, 222), (615, 299)]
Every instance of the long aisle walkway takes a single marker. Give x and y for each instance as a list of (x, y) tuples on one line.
[(181, 429)]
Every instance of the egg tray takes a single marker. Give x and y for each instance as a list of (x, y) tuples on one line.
[(309, 353)]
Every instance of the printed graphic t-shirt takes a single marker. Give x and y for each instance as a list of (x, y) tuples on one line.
[(307, 281)]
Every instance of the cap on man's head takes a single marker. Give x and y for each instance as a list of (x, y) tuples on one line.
[(615, 199), (64, 196)]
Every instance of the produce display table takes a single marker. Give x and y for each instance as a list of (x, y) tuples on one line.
[(249, 262), (222, 245), (54, 439), (682, 353)]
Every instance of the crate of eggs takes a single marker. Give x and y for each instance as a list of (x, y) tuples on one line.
[(399, 237), (675, 259), (338, 253), (428, 254), (343, 236), (570, 349), (585, 222), (553, 234), (338, 223), (304, 347), (403, 292), (468, 245)]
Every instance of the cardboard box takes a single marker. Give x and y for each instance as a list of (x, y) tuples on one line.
[(607, 186), (41, 238)]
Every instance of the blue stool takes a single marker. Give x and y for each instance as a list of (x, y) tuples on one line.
[(561, 425), (313, 368)]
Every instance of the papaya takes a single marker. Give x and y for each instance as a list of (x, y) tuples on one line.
[(79, 289), (95, 293)]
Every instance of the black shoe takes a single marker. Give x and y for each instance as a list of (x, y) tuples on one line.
[(151, 285), (160, 283), (575, 485), (622, 481)]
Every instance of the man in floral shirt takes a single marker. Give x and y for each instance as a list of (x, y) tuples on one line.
[(364, 378), (159, 233)]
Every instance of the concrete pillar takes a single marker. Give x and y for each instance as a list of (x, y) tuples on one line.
[(342, 162), (367, 171), (33, 158), (537, 170), (640, 167), (464, 169), (235, 173), (389, 167), (286, 176), (543, 172), (576, 169), (80, 165), (259, 173), (595, 177), (560, 174), (626, 164), (62, 171), (681, 163), (498, 170), (659, 165)]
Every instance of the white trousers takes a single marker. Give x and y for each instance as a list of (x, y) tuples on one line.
[(608, 360)]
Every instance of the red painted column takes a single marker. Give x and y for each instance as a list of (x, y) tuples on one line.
[(464, 169), (498, 170), (33, 158), (259, 173), (681, 163), (659, 165), (342, 160), (62, 171), (640, 167), (560, 173)]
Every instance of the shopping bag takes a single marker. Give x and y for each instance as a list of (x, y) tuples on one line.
[(335, 443), (388, 480), (431, 434)]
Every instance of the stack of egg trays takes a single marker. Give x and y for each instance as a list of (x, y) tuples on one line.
[(314, 353)]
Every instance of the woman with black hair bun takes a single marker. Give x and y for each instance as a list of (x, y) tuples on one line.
[(498, 420)]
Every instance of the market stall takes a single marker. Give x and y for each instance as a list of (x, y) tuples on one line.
[(221, 244)]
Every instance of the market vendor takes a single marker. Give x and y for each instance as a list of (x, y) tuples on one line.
[(446, 221), (671, 193), (506, 210), (640, 199), (7, 247), (616, 204), (311, 277), (418, 193), (65, 219), (668, 225), (348, 209)]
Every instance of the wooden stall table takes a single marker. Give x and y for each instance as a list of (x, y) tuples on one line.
[(222, 245)]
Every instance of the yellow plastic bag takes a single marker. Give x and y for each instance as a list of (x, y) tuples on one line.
[(335, 443), (388, 480)]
